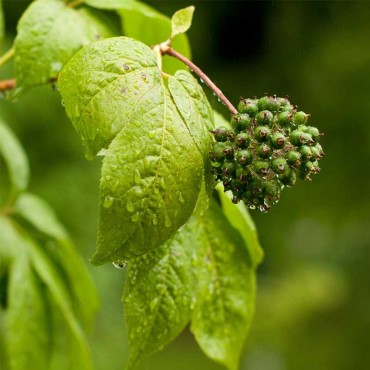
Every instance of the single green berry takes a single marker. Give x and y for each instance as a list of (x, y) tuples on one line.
[(314, 132), (306, 152), (217, 154), (264, 150), (272, 192), (264, 118), (288, 178), (288, 108), (277, 140), (283, 102), (293, 158), (285, 119), (221, 133), (242, 174), (248, 106), (242, 140), (300, 118), (268, 103), (228, 152), (240, 121), (298, 137), (261, 133), (319, 148), (229, 168), (279, 165), (261, 167), (244, 157), (316, 168)]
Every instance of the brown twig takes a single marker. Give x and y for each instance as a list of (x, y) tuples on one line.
[(7, 84), (166, 49)]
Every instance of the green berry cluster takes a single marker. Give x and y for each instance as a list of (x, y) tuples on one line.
[(267, 148)]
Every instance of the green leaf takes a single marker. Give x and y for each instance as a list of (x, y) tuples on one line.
[(219, 120), (240, 219), (51, 277), (152, 167), (14, 158), (226, 294), (27, 325), (108, 4), (181, 20), (146, 24), (49, 33), (39, 214), (159, 291)]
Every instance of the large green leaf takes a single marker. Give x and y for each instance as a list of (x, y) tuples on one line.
[(14, 158), (239, 217), (159, 291), (152, 167), (63, 254), (226, 291), (27, 329), (49, 33)]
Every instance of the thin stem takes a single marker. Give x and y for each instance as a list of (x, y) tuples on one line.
[(7, 56), (166, 49), (10, 84), (7, 84)]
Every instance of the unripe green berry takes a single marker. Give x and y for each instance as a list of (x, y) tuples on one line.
[(293, 157), (268, 103), (264, 118), (288, 108), (319, 148), (242, 174), (248, 106), (285, 119), (288, 178), (261, 133), (277, 140), (283, 102), (261, 167), (314, 132), (244, 157), (240, 121), (228, 152), (279, 165), (221, 133), (306, 152), (298, 137), (217, 154), (242, 140), (264, 150), (229, 168), (300, 118), (272, 191)]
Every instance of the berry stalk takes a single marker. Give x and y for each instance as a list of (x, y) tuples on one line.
[(167, 50)]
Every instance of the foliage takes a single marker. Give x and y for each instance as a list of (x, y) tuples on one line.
[(191, 257), (48, 300)]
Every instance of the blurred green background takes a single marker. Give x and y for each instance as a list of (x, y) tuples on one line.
[(313, 303)]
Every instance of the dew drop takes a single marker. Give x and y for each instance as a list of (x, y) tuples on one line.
[(108, 201), (119, 264), (129, 206), (151, 134)]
